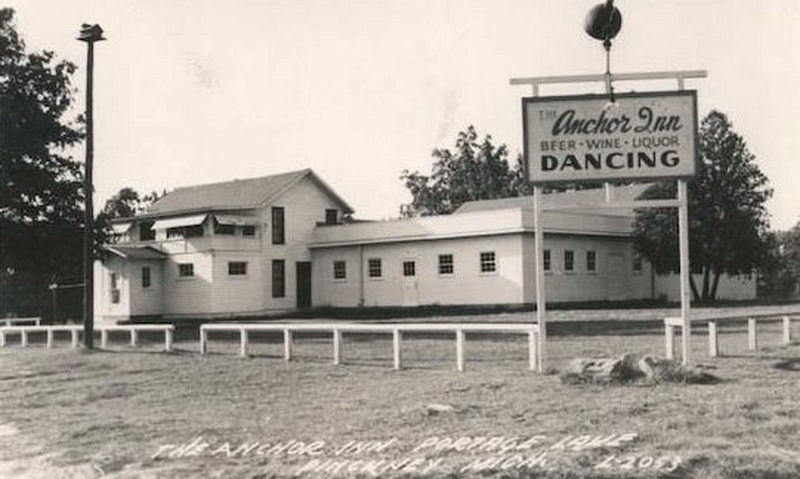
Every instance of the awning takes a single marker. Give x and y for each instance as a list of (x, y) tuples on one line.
[(193, 220), (235, 220), (121, 228)]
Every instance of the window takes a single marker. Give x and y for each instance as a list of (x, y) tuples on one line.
[(278, 278), (115, 288), (409, 268), (569, 261), (185, 231), (339, 270), (488, 264), (221, 229), (546, 261), (637, 264), (248, 230), (446, 264), (374, 268), (145, 277), (146, 231), (331, 216), (278, 234), (185, 270), (237, 268), (591, 261)]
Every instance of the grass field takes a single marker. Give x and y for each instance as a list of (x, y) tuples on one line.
[(125, 413)]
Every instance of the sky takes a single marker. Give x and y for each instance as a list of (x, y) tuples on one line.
[(198, 91)]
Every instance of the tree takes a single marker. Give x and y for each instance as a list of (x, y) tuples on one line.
[(126, 203), (475, 170), (728, 220), (40, 196)]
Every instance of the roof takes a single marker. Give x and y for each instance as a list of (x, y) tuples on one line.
[(236, 194), (136, 252), (513, 220), (561, 199)]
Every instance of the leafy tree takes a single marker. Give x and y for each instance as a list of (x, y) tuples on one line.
[(728, 220), (126, 203), (40, 195), (474, 170)]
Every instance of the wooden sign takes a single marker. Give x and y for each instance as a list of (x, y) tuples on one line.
[(640, 136)]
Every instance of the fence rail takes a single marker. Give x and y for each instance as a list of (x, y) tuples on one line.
[(714, 323), (14, 321), (75, 329), (396, 330)]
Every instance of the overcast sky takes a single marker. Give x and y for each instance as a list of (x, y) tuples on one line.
[(191, 91)]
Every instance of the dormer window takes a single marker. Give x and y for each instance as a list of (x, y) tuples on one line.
[(331, 216)]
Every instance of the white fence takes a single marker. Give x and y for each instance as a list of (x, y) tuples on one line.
[(671, 323), (15, 321), (75, 329), (459, 330)]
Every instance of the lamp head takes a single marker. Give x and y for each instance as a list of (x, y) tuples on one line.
[(603, 22), (90, 33)]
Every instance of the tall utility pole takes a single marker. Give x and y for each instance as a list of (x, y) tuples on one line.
[(89, 34)]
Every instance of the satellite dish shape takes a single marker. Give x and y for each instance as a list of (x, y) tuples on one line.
[(603, 21)]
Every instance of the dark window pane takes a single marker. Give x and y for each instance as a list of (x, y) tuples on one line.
[(278, 278), (278, 234)]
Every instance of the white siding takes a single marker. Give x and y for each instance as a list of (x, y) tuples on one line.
[(146, 301), (466, 286), (188, 296)]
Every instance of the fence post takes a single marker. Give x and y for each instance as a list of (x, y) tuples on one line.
[(49, 338), (752, 341), (103, 339), (74, 337), (287, 345), (23, 341), (134, 337), (713, 339), (459, 350), (787, 330), (397, 337), (669, 341), (168, 340), (532, 350), (337, 346), (203, 340), (243, 339), (2, 339)]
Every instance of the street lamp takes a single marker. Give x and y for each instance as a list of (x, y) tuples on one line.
[(89, 34)]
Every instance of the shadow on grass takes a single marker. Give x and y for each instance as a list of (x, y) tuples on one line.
[(789, 364)]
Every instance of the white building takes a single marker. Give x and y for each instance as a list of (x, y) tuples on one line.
[(276, 244)]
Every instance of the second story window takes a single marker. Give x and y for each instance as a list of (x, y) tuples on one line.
[(146, 231), (278, 233), (223, 229), (547, 264), (331, 216), (248, 230)]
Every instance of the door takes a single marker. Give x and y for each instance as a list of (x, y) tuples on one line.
[(410, 291), (303, 269), (617, 276)]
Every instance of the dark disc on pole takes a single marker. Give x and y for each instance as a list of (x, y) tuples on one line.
[(603, 22)]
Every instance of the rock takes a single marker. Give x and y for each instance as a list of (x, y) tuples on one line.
[(630, 367), (433, 409), (603, 370)]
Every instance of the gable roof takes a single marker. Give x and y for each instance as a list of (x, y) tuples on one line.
[(561, 199), (236, 194)]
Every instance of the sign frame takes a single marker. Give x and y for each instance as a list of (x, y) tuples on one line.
[(527, 170)]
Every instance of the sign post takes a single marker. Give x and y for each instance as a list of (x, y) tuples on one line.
[(636, 137)]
